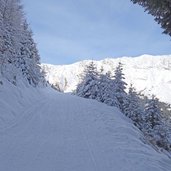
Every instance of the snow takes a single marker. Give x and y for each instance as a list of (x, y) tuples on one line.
[(43, 130), (148, 74)]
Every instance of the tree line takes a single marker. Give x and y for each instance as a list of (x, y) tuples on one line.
[(145, 113), (18, 51)]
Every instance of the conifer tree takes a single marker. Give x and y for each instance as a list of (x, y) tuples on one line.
[(154, 127), (29, 59), (88, 87), (132, 108), (152, 113), (119, 85), (106, 93), (160, 9), (18, 52), (102, 84), (11, 20)]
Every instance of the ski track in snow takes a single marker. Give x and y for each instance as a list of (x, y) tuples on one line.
[(59, 132)]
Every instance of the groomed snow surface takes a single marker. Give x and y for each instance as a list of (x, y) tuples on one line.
[(42, 130)]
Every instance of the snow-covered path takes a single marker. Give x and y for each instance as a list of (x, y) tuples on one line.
[(60, 132)]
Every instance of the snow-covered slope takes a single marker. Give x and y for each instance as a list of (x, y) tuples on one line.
[(43, 130), (148, 74)]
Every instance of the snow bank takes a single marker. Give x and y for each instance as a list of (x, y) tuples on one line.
[(42, 130), (14, 100)]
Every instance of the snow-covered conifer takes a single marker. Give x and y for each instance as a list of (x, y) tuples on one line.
[(152, 113), (88, 87), (105, 93), (119, 85), (103, 81), (154, 128), (18, 52), (132, 108), (29, 59)]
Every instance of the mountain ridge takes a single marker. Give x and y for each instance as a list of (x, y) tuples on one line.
[(148, 74)]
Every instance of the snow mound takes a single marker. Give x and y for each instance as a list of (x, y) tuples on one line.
[(148, 74), (42, 130)]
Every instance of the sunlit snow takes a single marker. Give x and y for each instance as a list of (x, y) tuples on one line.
[(43, 130), (148, 74)]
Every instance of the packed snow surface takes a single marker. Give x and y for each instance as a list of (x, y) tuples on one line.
[(42, 130), (148, 74)]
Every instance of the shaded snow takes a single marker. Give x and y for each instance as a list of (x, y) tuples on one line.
[(149, 74), (42, 130)]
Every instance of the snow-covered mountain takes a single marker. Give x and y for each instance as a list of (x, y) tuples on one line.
[(43, 130), (148, 74)]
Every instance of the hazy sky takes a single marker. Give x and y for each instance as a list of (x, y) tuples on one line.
[(70, 30)]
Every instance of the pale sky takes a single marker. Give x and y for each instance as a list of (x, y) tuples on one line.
[(67, 31)]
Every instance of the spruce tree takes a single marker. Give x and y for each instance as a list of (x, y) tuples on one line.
[(154, 127), (29, 58), (160, 9), (119, 86), (11, 20), (152, 113), (106, 93), (132, 108), (88, 87), (102, 84), (18, 52)]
